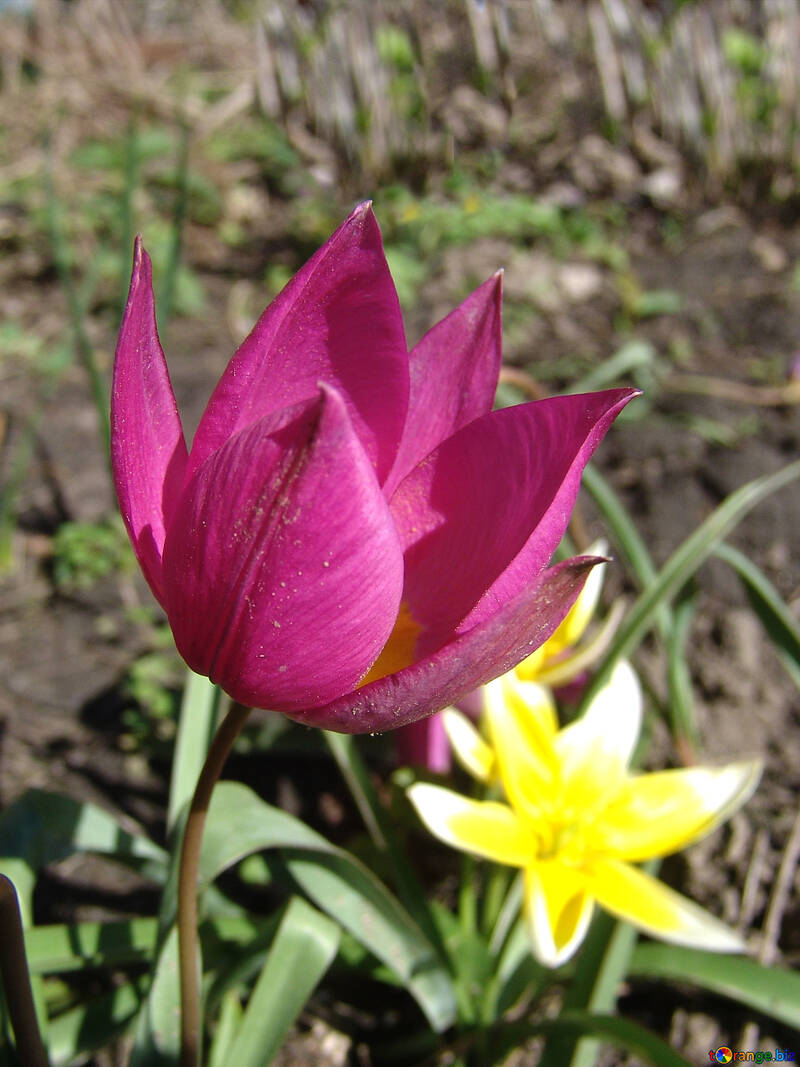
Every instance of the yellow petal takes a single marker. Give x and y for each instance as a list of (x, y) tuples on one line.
[(655, 814), (522, 724), (557, 910), (471, 751), (582, 611), (565, 668), (573, 624), (595, 750), (484, 828), (631, 894)]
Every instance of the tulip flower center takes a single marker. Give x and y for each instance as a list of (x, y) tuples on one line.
[(398, 652)]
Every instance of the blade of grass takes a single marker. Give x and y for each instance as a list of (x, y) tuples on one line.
[(127, 229), (625, 535), (167, 295), (681, 697), (683, 563), (573, 1025), (776, 616), (77, 307)]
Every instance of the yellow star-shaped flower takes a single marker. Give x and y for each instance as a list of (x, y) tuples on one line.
[(575, 818)]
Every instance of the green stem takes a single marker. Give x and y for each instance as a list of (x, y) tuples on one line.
[(188, 944), (17, 980)]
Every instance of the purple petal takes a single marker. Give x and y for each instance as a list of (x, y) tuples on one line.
[(454, 371), (467, 662), (282, 567), (337, 321), (148, 452), (481, 516), (424, 744)]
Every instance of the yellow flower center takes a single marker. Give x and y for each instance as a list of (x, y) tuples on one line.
[(399, 650)]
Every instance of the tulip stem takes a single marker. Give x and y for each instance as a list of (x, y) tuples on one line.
[(188, 946), (17, 980)]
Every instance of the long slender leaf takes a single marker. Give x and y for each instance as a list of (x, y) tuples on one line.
[(301, 953), (42, 828), (573, 1025), (769, 990), (684, 562), (681, 696), (345, 750), (165, 303), (92, 1026), (197, 721), (58, 948), (240, 823), (779, 622), (230, 1017)]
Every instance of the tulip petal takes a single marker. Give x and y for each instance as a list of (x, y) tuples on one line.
[(454, 371), (656, 814), (481, 827), (337, 321), (148, 452), (282, 568), (471, 751), (481, 516), (464, 664), (424, 744), (637, 897), (557, 909), (580, 614)]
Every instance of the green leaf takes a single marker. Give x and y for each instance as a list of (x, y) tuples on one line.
[(778, 620), (240, 823), (684, 562), (197, 722), (346, 752), (769, 990), (626, 537), (59, 947), (301, 953), (230, 1018), (573, 1025), (599, 970), (681, 694), (92, 1026), (43, 828), (629, 358)]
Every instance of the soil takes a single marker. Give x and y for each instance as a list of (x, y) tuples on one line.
[(715, 418)]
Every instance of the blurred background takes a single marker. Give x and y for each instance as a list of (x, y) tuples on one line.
[(632, 164)]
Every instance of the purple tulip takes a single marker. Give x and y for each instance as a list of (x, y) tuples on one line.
[(353, 539)]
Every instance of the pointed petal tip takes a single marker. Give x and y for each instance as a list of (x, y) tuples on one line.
[(362, 213), (142, 265)]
